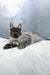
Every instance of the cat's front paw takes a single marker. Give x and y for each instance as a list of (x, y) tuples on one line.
[(10, 45), (7, 46)]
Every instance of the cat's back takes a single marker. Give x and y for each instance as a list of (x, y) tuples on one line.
[(33, 35)]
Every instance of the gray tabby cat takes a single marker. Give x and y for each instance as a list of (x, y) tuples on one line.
[(21, 40)]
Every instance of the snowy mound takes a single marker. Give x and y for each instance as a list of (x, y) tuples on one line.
[(33, 60)]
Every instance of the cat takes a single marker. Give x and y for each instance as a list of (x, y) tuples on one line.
[(22, 39)]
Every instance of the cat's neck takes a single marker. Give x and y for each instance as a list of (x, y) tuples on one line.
[(12, 39)]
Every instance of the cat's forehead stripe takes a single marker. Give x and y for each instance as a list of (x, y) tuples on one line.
[(14, 29)]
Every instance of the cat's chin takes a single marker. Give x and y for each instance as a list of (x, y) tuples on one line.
[(15, 37)]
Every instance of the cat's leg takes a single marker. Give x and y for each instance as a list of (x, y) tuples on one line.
[(9, 45), (21, 45), (24, 43)]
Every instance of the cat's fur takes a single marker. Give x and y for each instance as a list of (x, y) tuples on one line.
[(21, 40)]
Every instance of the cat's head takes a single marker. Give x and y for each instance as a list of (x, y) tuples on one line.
[(15, 32)]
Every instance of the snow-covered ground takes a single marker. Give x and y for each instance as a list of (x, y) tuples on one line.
[(33, 60)]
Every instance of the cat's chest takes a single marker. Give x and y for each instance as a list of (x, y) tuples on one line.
[(12, 39)]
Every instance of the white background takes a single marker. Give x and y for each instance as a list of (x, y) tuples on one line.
[(33, 14)]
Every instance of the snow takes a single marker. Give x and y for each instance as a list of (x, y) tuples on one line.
[(33, 60)]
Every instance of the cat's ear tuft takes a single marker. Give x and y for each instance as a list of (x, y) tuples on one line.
[(19, 26), (11, 26)]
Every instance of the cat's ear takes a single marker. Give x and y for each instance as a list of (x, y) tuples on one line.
[(19, 26), (11, 26)]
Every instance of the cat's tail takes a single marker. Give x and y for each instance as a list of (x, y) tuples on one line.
[(48, 38)]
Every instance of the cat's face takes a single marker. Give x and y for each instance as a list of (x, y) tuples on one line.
[(15, 32)]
